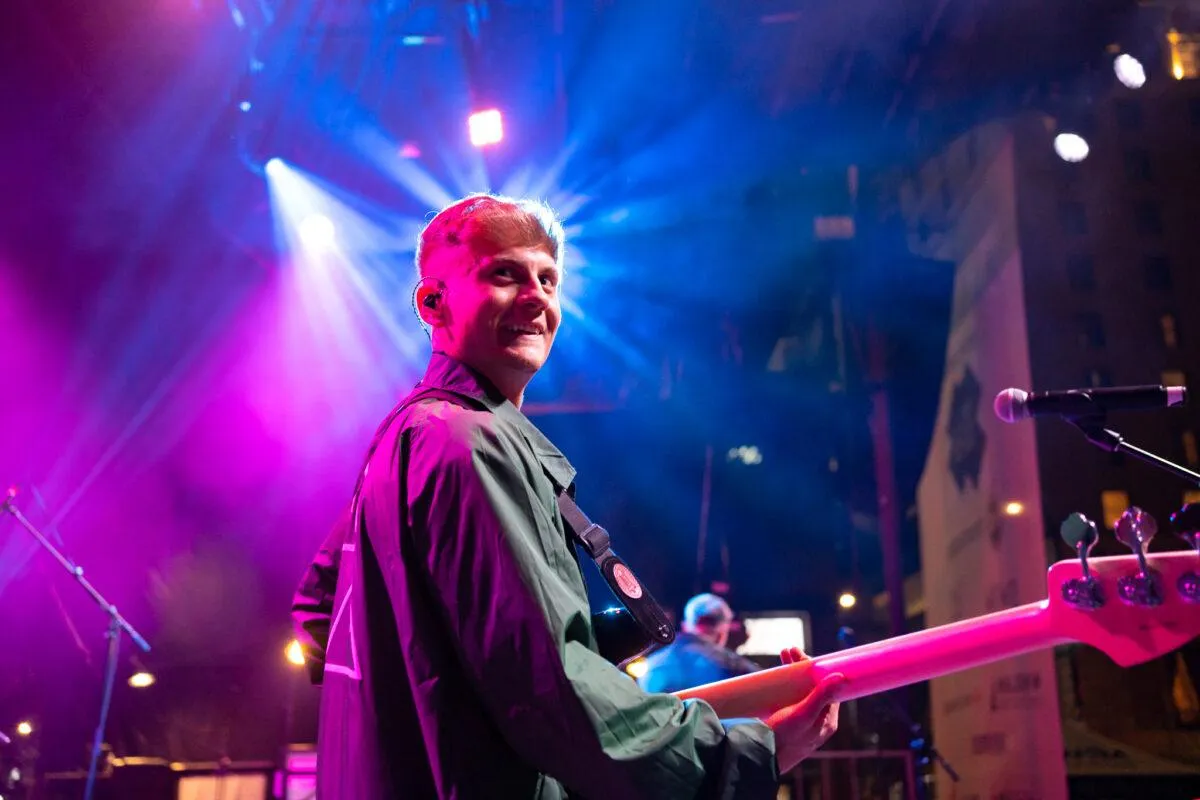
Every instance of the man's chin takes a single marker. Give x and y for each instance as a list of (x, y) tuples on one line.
[(524, 359)]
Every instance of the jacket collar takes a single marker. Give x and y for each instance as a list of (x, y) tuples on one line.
[(451, 375)]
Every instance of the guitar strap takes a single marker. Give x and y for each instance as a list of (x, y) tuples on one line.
[(620, 578), (594, 539)]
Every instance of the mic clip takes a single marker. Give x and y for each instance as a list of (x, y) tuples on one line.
[(1092, 426)]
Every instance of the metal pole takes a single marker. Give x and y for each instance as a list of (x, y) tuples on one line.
[(705, 505), (885, 481)]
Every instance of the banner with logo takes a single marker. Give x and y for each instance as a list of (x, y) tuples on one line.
[(982, 538)]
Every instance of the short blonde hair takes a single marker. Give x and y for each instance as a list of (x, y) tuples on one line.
[(486, 223)]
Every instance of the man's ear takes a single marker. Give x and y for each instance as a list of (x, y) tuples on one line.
[(428, 302)]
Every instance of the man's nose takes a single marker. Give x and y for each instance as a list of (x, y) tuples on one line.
[(535, 295)]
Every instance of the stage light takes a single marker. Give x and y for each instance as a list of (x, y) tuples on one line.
[(410, 150), (847, 600), (1014, 508), (746, 454), (1071, 147), (1129, 71), (276, 167), (317, 232), (141, 679), (244, 106), (294, 653), (24, 728), (486, 127)]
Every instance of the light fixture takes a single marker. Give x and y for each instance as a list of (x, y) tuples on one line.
[(294, 653), (486, 127), (1071, 147), (1129, 71), (847, 600), (141, 679)]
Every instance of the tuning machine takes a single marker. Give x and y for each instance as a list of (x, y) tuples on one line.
[(1186, 522), (1080, 533), (1135, 528)]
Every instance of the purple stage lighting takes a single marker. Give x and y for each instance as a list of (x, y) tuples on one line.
[(486, 127)]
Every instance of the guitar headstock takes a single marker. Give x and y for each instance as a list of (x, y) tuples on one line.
[(1130, 615)]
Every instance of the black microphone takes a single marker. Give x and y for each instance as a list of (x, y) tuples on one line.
[(1014, 404)]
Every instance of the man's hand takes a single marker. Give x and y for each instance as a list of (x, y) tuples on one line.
[(802, 728)]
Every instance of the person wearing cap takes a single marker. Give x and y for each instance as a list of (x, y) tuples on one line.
[(698, 655)]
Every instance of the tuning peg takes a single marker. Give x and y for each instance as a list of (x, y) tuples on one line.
[(1186, 522), (1135, 528), (1080, 533)]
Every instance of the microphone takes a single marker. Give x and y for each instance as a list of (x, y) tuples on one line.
[(1014, 404)]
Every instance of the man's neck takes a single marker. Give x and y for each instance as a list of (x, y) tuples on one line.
[(510, 383)]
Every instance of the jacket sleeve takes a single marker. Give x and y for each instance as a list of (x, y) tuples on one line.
[(312, 605), (510, 589)]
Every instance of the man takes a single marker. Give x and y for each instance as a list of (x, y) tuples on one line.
[(698, 655), (448, 613)]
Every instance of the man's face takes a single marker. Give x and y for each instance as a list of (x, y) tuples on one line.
[(502, 312), (721, 634)]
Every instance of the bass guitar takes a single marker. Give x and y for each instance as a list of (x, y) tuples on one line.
[(1133, 608)]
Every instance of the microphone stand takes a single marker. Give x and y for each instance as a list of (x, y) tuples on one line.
[(921, 742), (1113, 442), (116, 624)]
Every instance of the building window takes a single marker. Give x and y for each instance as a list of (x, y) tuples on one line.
[(1137, 165), (1089, 329), (1129, 114), (1081, 272), (1185, 54), (1113, 502), (1156, 272), (1174, 377), (1189, 449), (1098, 377), (1147, 217), (1170, 330), (1073, 218)]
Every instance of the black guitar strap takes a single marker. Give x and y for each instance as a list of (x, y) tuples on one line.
[(628, 589)]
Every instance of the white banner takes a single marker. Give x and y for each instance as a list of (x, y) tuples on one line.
[(982, 539)]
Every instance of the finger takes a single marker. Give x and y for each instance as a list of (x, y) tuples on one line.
[(825, 692), (824, 727), (792, 655), (833, 714), (829, 723), (809, 712)]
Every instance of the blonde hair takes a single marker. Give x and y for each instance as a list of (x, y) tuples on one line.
[(486, 223)]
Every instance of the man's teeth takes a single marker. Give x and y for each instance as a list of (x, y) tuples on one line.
[(518, 329)]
